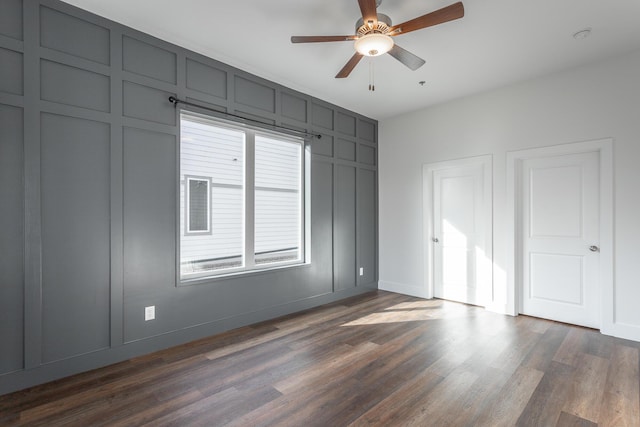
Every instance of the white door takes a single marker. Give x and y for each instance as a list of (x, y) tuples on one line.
[(461, 234), (559, 236)]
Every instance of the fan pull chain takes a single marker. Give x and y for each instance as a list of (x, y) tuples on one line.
[(372, 86)]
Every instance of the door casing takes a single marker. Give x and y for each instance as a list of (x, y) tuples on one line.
[(604, 147)]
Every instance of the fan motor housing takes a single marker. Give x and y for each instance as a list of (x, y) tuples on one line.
[(384, 24)]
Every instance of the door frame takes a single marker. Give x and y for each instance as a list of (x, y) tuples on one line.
[(604, 147), (486, 163)]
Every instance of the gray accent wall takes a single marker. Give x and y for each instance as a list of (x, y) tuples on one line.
[(89, 160)]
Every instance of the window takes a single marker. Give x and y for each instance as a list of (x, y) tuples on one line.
[(242, 196), (277, 200)]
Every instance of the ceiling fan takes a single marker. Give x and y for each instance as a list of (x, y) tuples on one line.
[(374, 33)]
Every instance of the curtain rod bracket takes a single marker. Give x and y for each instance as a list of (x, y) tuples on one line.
[(175, 101)]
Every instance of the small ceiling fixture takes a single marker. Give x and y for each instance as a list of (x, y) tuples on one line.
[(582, 34)]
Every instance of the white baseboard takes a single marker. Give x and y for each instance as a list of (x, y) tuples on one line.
[(401, 288), (626, 331)]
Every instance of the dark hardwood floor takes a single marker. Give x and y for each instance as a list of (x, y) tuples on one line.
[(379, 359)]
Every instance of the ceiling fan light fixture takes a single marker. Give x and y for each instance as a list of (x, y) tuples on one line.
[(374, 44)]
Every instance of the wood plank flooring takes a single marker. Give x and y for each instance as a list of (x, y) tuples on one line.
[(379, 359)]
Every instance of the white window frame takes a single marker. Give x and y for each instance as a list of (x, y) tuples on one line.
[(187, 214), (248, 252)]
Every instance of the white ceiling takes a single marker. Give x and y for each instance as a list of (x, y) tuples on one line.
[(498, 42)]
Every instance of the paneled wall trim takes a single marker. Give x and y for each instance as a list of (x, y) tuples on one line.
[(89, 189)]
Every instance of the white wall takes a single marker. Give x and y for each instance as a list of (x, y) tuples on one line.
[(597, 101)]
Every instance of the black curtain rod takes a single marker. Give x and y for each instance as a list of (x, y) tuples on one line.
[(175, 101)]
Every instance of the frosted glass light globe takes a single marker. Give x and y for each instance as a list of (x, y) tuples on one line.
[(374, 44)]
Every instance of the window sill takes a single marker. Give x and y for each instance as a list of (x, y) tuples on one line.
[(238, 274)]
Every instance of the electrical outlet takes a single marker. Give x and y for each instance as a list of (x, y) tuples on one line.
[(362, 271), (149, 313)]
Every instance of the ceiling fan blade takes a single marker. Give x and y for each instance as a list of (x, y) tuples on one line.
[(346, 70), (407, 58), (446, 14), (368, 9), (317, 39)]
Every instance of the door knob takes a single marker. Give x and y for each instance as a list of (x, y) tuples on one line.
[(435, 240), (594, 249)]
